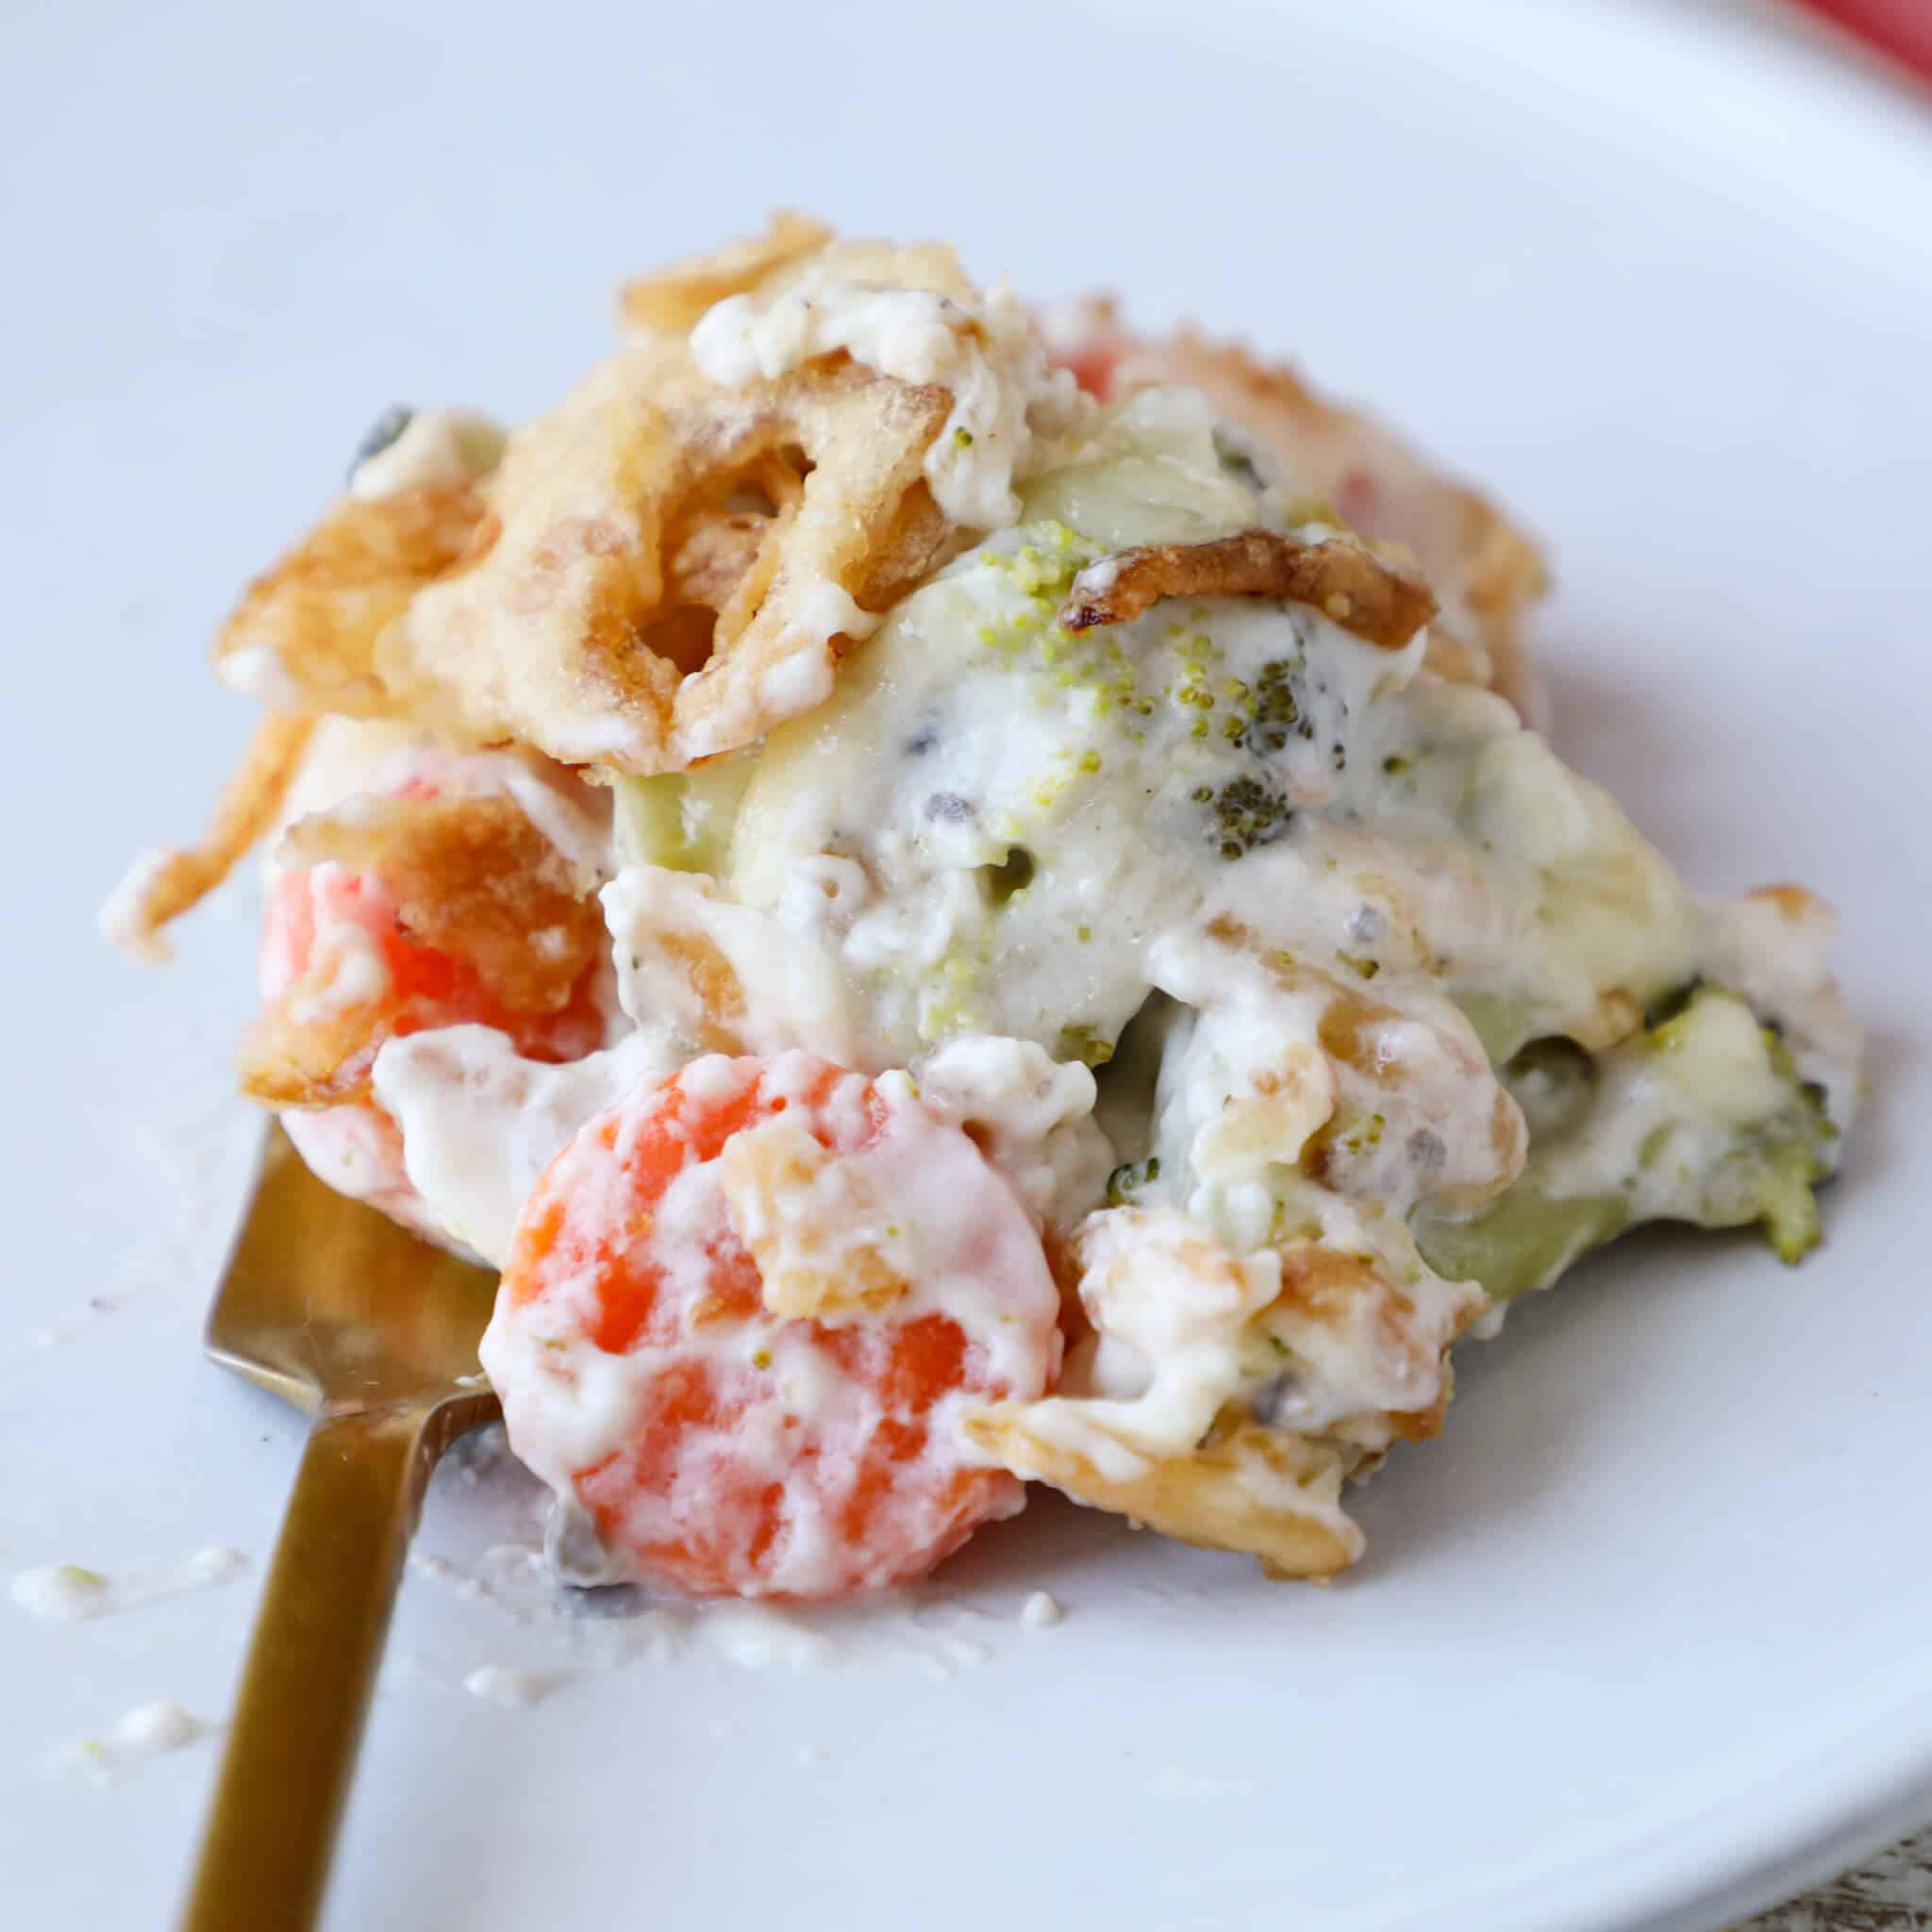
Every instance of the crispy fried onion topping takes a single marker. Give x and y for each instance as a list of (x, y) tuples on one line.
[(663, 571), (1177, 1456), (303, 642), (1246, 1488), (657, 590), (1487, 571), (1219, 1342), (469, 877), (303, 638), (659, 571), (671, 300), (160, 885), (1366, 596), (821, 1237)]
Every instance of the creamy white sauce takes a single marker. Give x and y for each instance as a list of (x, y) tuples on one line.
[(1351, 888), (722, 976), (515, 1687), (123, 919), (574, 817), (756, 1638), (435, 446), (973, 1257), (62, 1593), (829, 1246), (566, 1640), (257, 672), (1007, 401), (1216, 785), (1042, 1611), (353, 1149), (146, 1732), (1773, 949), (346, 966), (1021, 814), (1031, 1115), (1172, 1306), (479, 1123), (349, 764), (70, 1592), (1732, 1086), (354, 758)]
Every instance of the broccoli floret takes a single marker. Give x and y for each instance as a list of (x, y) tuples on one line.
[(1261, 717), (1762, 1170), (1081, 1042), (1276, 712), (1247, 812), (1124, 1185), (1785, 1174), (1673, 1002)]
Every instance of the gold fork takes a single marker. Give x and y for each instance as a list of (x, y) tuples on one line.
[(373, 1333)]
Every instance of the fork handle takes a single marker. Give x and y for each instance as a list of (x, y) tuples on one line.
[(312, 1663)]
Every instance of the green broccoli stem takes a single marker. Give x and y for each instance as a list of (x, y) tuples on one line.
[(1523, 1240)]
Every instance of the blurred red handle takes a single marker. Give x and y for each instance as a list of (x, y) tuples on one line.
[(1902, 29)]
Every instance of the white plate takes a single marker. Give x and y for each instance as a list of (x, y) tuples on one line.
[(1643, 1638)]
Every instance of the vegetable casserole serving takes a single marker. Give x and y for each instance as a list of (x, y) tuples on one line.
[(956, 896)]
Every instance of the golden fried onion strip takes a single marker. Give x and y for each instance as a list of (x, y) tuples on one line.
[(1246, 1488), (1366, 596), (549, 639), (164, 885), (304, 636), (1483, 564), (669, 301), (470, 877)]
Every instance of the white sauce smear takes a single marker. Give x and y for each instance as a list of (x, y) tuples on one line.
[(146, 1732), (71, 1594)]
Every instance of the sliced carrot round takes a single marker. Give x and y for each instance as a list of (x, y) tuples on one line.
[(399, 987), (744, 1312), (406, 986)]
